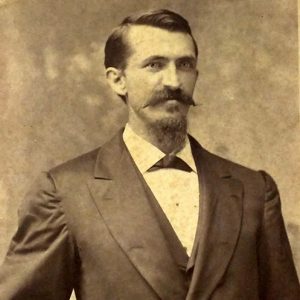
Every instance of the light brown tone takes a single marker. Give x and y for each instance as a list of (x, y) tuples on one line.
[(55, 103)]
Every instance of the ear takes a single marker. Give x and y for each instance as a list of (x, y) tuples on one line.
[(116, 80)]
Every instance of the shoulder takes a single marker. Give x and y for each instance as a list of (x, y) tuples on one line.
[(85, 165), (253, 179), (233, 167), (47, 187), (79, 165), (258, 185)]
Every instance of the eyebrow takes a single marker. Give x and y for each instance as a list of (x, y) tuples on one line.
[(188, 57), (158, 57), (153, 57)]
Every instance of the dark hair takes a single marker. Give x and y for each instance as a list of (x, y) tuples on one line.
[(117, 50)]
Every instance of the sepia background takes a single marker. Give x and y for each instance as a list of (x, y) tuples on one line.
[(55, 104)]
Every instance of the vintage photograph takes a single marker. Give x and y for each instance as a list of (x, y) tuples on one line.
[(149, 150)]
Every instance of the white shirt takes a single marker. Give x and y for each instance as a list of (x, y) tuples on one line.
[(176, 191)]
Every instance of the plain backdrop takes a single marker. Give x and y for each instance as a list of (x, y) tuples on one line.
[(55, 103)]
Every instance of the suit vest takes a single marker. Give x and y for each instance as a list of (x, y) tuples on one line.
[(177, 251)]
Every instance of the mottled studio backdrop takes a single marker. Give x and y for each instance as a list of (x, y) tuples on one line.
[(55, 103)]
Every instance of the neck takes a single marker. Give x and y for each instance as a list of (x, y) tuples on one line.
[(168, 135)]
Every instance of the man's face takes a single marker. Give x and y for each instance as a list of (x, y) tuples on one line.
[(160, 75)]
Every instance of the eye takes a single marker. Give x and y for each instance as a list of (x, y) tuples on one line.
[(186, 65), (154, 66)]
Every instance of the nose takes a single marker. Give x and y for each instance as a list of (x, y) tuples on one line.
[(170, 77)]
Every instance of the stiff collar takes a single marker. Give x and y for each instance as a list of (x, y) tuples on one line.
[(145, 155)]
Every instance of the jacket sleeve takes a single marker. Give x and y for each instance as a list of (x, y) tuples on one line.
[(278, 277), (40, 260)]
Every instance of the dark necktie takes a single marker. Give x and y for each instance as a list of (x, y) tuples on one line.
[(173, 162)]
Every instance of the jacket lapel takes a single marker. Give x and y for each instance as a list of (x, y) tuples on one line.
[(219, 223), (122, 202)]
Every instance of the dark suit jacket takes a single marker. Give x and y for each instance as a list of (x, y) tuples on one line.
[(88, 225)]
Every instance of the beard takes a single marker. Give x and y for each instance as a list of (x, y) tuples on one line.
[(170, 133)]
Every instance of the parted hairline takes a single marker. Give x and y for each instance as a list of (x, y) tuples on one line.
[(117, 49)]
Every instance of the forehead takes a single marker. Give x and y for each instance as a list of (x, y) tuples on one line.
[(145, 41)]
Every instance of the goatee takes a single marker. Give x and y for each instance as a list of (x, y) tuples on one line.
[(170, 133)]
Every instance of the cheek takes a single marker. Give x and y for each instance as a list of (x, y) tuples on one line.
[(141, 86), (143, 78), (189, 83), (138, 93)]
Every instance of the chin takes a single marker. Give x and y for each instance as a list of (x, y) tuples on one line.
[(170, 130), (176, 123), (170, 116)]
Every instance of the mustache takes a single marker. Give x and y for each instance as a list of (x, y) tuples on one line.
[(168, 94)]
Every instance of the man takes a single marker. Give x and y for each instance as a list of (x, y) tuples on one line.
[(151, 214)]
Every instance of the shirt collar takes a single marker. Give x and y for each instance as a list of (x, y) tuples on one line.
[(145, 155)]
